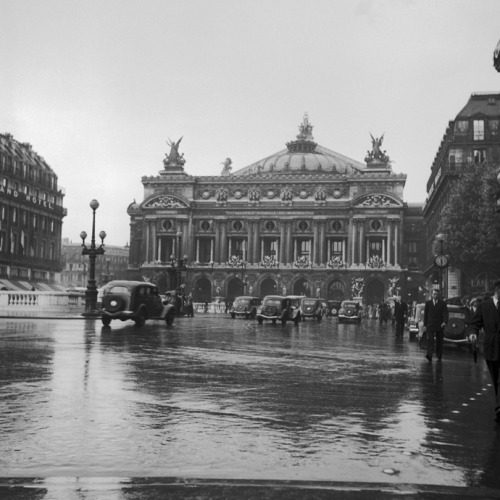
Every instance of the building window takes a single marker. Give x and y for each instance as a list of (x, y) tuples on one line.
[(375, 248), (412, 254), (270, 248), (303, 226), (455, 156), (237, 248), (205, 225), (479, 156), (270, 225), (167, 225), (303, 248), (336, 226), (479, 130), (494, 126), (461, 127), (205, 250), (336, 248)]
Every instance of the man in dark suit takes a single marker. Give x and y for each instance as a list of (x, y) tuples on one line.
[(435, 319), (400, 313), (487, 317)]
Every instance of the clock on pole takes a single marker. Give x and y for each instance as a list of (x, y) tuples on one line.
[(441, 260)]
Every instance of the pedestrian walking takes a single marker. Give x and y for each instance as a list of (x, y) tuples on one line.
[(384, 313), (190, 306), (400, 315), (435, 319), (487, 317)]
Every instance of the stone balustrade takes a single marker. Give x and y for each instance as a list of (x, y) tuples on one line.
[(37, 304)]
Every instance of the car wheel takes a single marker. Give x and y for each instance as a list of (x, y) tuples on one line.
[(274, 321), (106, 320), (140, 319), (233, 315), (260, 321)]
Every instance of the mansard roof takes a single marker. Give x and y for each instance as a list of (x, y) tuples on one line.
[(303, 155), (484, 103), (22, 151)]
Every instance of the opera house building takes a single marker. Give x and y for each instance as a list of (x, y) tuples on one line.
[(303, 221)]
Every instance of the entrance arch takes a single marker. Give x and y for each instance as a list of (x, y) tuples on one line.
[(336, 291), (202, 291), (374, 292), (234, 288), (269, 287), (301, 287)]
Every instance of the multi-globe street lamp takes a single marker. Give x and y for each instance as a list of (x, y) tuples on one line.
[(92, 251), (441, 260)]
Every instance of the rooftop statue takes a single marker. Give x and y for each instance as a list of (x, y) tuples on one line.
[(227, 166), (174, 159), (376, 155), (305, 129)]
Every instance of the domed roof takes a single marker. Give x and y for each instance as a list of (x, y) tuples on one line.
[(304, 156)]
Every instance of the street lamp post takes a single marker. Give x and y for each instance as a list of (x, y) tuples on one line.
[(92, 251), (441, 260)]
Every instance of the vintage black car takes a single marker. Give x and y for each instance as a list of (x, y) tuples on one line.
[(333, 307), (311, 308), (135, 300), (277, 307), (349, 311), (456, 331), (245, 306)]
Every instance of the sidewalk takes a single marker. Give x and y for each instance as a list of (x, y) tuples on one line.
[(206, 489)]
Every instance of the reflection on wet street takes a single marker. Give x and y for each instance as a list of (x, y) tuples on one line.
[(219, 398)]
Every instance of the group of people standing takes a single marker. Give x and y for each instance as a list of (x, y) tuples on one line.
[(485, 317), (398, 316)]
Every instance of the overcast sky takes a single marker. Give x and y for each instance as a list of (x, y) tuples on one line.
[(97, 86)]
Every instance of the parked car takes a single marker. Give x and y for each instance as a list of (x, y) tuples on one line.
[(349, 311), (333, 307), (311, 308), (455, 331), (135, 300), (245, 306), (416, 322), (277, 307)]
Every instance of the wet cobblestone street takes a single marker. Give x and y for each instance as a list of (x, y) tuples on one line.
[(211, 397)]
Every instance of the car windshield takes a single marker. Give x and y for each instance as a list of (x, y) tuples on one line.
[(456, 314), (350, 304), (242, 302), (309, 302), (118, 289), (273, 302)]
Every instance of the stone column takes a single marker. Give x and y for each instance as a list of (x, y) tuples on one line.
[(361, 223), (322, 243), (289, 248), (222, 243), (315, 243), (217, 241), (353, 242), (147, 240), (250, 257), (282, 248), (256, 256), (396, 242), (389, 242)]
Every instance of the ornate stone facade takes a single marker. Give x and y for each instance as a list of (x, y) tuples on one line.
[(305, 220)]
